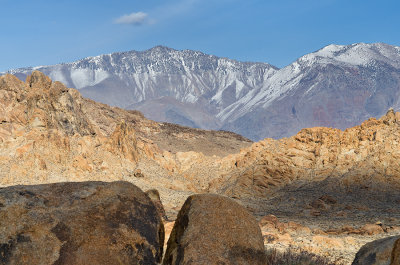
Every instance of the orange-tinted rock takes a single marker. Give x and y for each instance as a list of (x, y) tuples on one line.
[(372, 229), (297, 228), (212, 229), (269, 219), (328, 199), (79, 223), (168, 226), (320, 204), (362, 156), (277, 238)]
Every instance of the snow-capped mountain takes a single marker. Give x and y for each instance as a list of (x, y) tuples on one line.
[(185, 87), (337, 86)]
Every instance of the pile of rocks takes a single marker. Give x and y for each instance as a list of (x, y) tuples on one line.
[(117, 223)]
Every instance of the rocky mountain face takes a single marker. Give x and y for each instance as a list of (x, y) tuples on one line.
[(361, 157), (358, 160), (337, 86), (49, 133)]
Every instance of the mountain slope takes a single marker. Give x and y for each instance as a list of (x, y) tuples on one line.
[(135, 79), (337, 86)]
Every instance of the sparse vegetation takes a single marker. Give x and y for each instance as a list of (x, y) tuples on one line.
[(291, 257)]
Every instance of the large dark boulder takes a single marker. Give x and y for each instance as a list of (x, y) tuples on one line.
[(212, 229), (79, 223), (154, 196), (379, 252)]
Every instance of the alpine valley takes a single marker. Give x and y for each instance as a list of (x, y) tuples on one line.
[(337, 86)]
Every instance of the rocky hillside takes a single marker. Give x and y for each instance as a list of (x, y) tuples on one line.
[(337, 86), (323, 178), (350, 176), (49, 133), (362, 157)]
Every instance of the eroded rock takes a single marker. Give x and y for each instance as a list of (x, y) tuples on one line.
[(379, 252), (212, 229), (154, 196), (79, 223)]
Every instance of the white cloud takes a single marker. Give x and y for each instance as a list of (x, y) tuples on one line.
[(138, 18)]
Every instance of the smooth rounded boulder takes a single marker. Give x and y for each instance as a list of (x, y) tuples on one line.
[(384, 251), (212, 229), (79, 223)]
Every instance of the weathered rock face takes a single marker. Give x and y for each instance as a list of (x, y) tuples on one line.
[(211, 229), (46, 135), (379, 252), (154, 196), (49, 133), (363, 156), (79, 223)]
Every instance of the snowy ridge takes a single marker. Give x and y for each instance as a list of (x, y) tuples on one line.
[(225, 91)]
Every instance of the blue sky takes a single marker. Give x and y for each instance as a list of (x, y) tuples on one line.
[(275, 31)]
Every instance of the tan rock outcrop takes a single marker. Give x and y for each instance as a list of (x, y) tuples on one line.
[(47, 135), (364, 156)]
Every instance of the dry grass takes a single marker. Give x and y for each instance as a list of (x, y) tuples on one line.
[(289, 257)]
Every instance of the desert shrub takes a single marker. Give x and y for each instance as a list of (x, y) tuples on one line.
[(290, 257)]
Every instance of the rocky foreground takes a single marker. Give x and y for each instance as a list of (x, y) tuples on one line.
[(117, 223), (331, 191)]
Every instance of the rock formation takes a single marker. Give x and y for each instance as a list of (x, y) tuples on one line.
[(211, 229), (49, 133), (154, 196), (47, 136), (79, 223), (380, 252), (363, 156)]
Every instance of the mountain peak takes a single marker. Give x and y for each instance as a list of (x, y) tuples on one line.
[(201, 90), (160, 48), (357, 54)]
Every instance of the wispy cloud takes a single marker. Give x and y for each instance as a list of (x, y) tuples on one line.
[(138, 18), (160, 13)]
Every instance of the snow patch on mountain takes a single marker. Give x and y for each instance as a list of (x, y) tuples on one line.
[(224, 89)]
